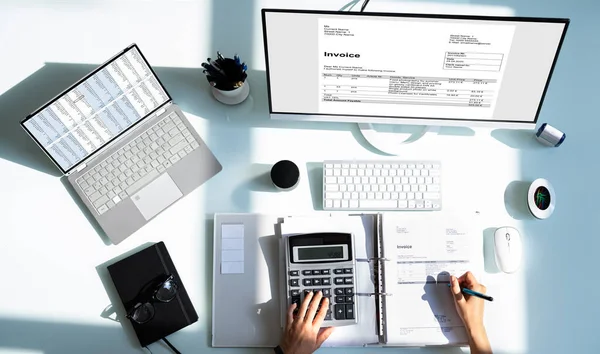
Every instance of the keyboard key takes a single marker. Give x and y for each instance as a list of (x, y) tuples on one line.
[(339, 291), (340, 299), (348, 291), (326, 292), (325, 271), (294, 273), (326, 281), (316, 272), (338, 281), (174, 158), (295, 292), (116, 199), (316, 282), (307, 272), (294, 282), (348, 280), (110, 204), (338, 271), (349, 299), (134, 187), (102, 209), (378, 204), (347, 270), (306, 282)]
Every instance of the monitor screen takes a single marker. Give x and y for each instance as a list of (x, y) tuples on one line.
[(409, 68), (97, 109)]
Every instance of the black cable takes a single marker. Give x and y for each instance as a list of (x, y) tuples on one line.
[(362, 8), (171, 346)]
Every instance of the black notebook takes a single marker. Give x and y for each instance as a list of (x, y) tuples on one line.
[(134, 273)]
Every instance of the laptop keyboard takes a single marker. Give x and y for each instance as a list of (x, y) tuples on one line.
[(138, 163)]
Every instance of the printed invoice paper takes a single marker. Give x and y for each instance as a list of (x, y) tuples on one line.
[(424, 249), (384, 66)]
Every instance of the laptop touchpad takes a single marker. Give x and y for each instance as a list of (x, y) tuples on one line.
[(156, 196)]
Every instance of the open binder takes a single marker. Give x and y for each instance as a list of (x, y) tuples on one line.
[(404, 261)]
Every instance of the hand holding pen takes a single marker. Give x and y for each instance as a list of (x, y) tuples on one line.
[(469, 298)]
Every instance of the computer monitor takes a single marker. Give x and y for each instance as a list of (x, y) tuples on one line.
[(416, 69)]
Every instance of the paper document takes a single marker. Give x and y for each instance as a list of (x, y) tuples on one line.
[(457, 74), (424, 250)]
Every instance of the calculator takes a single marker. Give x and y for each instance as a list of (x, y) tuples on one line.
[(326, 262)]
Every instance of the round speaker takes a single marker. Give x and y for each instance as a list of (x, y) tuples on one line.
[(285, 175)]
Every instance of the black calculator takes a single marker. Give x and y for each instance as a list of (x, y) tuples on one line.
[(326, 262)]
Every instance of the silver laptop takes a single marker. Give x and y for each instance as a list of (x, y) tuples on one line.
[(127, 150)]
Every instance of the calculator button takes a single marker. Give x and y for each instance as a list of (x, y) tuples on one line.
[(295, 292), (338, 281), (338, 271), (340, 299), (340, 312), (306, 282), (347, 270), (307, 272), (316, 282), (316, 272), (326, 271), (294, 273), (348, 291), (348, 280), (296, 300), (326, 292), (349, 311), (294, 282), (326, 281), (349, 299), (339, 291)]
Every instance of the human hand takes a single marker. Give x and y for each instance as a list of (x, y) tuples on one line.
[(303, 333), (469, 308)]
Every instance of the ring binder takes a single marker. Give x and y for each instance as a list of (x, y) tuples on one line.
[(372, 294), (371, 259)]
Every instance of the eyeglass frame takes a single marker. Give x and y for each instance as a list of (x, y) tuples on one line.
[(152, 300)]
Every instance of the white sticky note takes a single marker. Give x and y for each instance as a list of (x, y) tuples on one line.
[(232, 267), (232, 231), (232, 249), (232, 255), (232, 244)]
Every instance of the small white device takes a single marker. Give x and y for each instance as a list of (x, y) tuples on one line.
[(382, 185), (508, 248), (326, 262), (541, 198)]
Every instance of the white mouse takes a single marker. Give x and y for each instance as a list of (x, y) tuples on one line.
[(508, 249)]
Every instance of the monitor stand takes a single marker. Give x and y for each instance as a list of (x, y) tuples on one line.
[(390, 138)]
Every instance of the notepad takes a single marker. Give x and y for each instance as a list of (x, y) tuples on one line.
[(232, 249)]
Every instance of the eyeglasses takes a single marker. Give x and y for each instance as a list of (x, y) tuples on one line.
[(143, 311)]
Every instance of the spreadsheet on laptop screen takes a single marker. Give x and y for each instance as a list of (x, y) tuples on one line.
[(97, 110)]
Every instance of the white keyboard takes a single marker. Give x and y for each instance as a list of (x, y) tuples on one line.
[(382, 185), (138, 163)]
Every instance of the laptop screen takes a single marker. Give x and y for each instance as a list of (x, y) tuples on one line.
[(97, 109)]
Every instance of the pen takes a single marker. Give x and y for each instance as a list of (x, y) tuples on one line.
[(467, 291), (220, 56)]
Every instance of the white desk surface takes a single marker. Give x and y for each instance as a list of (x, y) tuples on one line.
[(53, 299)]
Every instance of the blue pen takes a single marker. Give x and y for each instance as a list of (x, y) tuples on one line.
[(467, 291)]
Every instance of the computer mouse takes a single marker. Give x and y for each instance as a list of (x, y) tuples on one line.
[(508, 249)]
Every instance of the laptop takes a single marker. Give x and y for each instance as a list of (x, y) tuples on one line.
[(128, 151)]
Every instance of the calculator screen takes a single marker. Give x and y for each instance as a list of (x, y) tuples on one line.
[(321, 253)]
